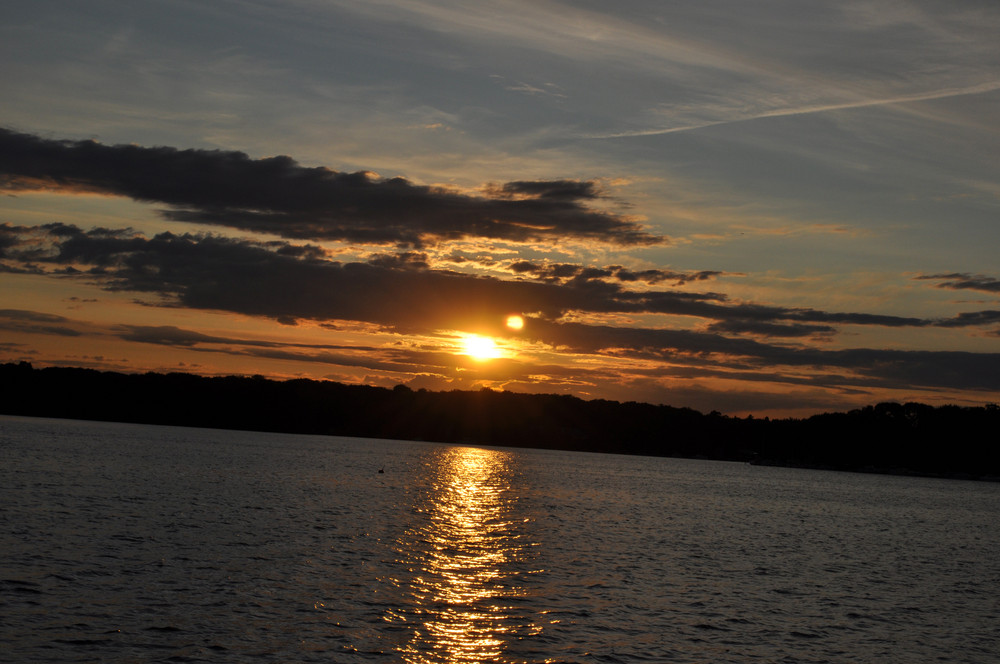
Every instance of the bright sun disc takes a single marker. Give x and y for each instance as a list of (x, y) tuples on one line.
[(480, 348), (515, 322)]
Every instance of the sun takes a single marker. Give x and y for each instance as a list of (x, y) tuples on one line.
[(515, 322), (480, 348)]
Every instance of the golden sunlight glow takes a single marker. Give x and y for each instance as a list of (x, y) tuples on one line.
[(468, 562), (480, 348), (515, 322)]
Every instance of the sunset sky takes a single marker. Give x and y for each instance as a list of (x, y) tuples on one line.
[(773, 207)]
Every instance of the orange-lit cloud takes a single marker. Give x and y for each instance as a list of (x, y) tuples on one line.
[(436, 312)]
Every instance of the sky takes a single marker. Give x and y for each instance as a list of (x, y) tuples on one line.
[(773, 208)]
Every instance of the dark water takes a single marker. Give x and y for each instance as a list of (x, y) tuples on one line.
[(125, 543)]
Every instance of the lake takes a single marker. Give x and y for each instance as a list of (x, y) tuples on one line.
[(135, 543)]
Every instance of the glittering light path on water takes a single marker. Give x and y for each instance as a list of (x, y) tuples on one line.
[(465, 561)]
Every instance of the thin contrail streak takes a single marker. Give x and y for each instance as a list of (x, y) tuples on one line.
[(819, 108)]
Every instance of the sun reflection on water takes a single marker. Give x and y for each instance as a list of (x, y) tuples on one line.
[(467, 559)]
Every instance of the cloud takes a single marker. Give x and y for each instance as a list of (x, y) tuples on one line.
[(274, 280), (746, 359), (561, 272), (558, 189), (285, 282), (33, 322), (971, 318), (739, 115), (766, 329), (396, 359), (279, 196), (407, 260), (964, 281), (169, 335)]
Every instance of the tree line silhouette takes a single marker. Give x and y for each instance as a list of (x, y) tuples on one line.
[(910, 438)]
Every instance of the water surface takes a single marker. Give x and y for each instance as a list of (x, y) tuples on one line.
[(131, 543)]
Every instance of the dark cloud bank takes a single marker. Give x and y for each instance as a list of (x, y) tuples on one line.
[(290, 282), (277, 195), (402, 292)]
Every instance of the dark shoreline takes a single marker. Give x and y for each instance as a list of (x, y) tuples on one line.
[(889, 438)]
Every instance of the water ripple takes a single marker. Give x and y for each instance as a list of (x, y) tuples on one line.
[(129, 544)]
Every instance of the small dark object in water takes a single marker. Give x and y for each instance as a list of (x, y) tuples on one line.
[(381, 470)]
